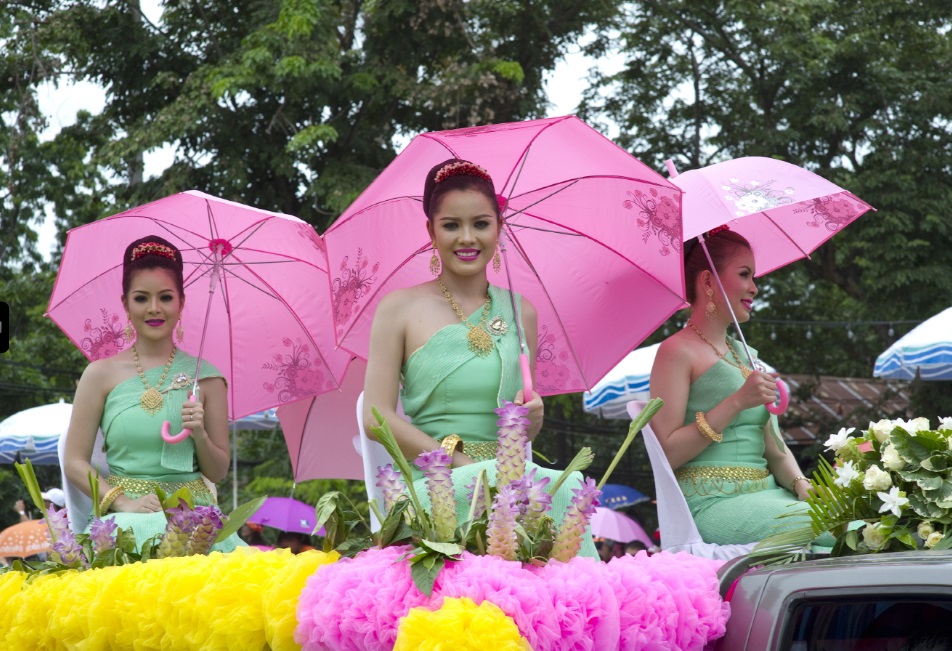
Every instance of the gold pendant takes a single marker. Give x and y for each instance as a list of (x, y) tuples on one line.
[(498, 326), (180, 380), (150, 401), (479, 341), (745, 372)]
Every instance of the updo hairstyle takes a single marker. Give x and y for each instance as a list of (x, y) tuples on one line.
[(456, 174), (722, 246), (152, 252)]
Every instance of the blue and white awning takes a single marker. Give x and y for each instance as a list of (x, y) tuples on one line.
[(927, 348), (34, 433), (627, 381)]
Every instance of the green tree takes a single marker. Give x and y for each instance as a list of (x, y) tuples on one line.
[(856, 92)]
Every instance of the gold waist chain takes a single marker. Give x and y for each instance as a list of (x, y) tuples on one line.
[(480, 450), (724, 480), (198, 487)]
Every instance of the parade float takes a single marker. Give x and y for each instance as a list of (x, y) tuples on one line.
[(507, 578)]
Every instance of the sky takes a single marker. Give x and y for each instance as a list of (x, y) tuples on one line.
[(564, 87)]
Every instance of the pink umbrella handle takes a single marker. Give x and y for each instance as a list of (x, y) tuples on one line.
[(777, 408), (526, 377), (178, 438)]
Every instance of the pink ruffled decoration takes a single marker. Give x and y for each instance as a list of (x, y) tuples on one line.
[(584, 603), (356, 604), (665, 602), (668, 601), (517, 591)]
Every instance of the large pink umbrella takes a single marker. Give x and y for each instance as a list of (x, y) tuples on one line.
[(320, 430), (255, 282), (783, 210), (592, 237)]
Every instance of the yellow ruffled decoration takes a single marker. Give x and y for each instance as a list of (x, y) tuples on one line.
[(460, 625), (219, 601)]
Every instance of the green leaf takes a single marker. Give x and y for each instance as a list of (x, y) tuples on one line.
[(238, 517), (424, 573), (581, 461), (444, 548), (644, 417)]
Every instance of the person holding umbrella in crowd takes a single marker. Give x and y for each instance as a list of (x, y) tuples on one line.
[(730, 460), (452, 342), (131, 393)]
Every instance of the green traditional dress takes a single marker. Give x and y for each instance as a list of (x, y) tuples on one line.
[(732, 495), (139, 460), (447, 389)]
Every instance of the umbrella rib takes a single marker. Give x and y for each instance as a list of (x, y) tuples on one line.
[(558, 317), (785, 234)]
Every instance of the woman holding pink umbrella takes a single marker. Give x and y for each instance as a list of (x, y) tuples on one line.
[(452, 343), (131, 393), (736, 472)]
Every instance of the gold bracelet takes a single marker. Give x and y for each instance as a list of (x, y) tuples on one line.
[(109, 498), (706, 429), (451, 444), (793, 484)]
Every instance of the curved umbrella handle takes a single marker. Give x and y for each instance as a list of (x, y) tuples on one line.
[(783, 399), (177, 438)]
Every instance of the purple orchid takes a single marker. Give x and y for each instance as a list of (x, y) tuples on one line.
[(568, 541), (513, 441)]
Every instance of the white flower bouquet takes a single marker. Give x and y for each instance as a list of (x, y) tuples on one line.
[(895, 479)]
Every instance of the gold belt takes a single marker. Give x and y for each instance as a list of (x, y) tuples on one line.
[(723, 480), (480, 450), (730, 473), (198, 487)]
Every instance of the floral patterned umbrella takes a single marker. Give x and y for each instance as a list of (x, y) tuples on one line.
[(592, 237), (255, 282)]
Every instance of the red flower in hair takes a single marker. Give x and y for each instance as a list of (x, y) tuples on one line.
[(461, 168)]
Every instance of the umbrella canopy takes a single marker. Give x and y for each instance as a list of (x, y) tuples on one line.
[(286, 514), (783, 210), (25, 539), (34, 433), (926, 349), (591, 237), (250, 279), (320, 431), (614, 525), (618, 496), (627, 381)]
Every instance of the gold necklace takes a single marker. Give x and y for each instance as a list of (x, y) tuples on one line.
[(743, 369), (479, 340), (151, 399)]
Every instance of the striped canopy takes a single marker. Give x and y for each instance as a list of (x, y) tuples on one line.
[(927, 348)]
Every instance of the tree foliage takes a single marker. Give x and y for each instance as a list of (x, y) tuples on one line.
[(856, 92)]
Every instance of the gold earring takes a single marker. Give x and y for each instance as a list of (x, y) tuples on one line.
[(434, 262), (128, 331), (497, 263), (179, 331), (710, 309)]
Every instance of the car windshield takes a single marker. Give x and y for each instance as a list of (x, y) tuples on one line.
[(871, 623)]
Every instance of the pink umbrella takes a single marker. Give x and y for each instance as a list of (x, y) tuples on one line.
[(593, 239), (783, 210), (254, 281), (615, 525), (320, 430), (287, 514)]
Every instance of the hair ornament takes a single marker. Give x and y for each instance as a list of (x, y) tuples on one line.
[(502, 201), (153, 248), (461, 168), (718, 229)]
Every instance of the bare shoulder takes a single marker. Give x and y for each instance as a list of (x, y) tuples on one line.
[(675, 349), (403, 301), (528, 309), (104, 374)]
